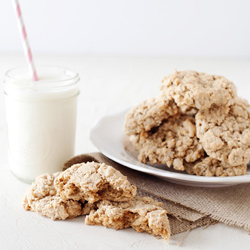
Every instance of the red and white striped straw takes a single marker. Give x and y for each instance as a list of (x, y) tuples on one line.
[(25, 42)]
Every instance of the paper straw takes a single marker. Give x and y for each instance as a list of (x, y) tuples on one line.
[(25, 42)]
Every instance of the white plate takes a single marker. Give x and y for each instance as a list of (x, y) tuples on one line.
[(107, 135)]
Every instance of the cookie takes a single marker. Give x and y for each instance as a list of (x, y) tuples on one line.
[(42, 198), (141, 213), (43, 186), (186, 110), (172, 142), (149, 114), (94, 181), (56, 208), (198, 90), (212, 167), (225, 132)]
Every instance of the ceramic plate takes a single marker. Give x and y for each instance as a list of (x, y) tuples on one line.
[(107, 135)]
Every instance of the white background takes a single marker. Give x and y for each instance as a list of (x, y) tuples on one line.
[(219, 28)]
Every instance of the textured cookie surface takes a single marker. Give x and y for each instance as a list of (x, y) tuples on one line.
[(56, 208), (42, 187), (94, 181), (172, 142), (225, 132), (212, 167), (198, 90), (42, 198), (149, 114), (143, 214)]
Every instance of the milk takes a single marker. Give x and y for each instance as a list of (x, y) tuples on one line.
[(41, 120)]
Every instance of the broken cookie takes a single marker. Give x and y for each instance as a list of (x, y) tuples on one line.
[(102, 185), (140, 213), (94, 181), (42, 198)]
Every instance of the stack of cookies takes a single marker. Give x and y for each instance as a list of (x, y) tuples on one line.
[(102, 193), (198, 124)]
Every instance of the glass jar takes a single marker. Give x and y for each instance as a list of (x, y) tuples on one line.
[(41, 120)]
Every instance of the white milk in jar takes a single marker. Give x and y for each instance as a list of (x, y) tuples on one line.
[(41, 120)]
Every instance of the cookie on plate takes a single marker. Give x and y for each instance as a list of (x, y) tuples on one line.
[(172, 142), (149, 114), (198, 90), (225, 132), (208, 166)]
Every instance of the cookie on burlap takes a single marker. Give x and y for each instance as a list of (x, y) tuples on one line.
[(225, 132), (149, 114), (172, 142), (198, 90), (42, 198), (140, 213), (208, 166), (94, 181)]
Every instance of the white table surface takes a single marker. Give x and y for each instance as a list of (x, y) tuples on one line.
[(108, 84)]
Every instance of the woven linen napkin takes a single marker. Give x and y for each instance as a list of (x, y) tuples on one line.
[(188, 207)]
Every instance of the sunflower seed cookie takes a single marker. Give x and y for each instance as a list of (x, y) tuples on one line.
[(94, 181), (212, 167), (225, 132), (149, 114), (198, 90), (142, 214), (42, 198), (172, 142)]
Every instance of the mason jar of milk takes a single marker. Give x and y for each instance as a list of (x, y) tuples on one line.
[(41, 120)]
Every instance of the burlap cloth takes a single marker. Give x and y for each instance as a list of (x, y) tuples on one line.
[(188, 207)]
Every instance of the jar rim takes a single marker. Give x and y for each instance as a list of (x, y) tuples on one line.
[(57, 77)]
